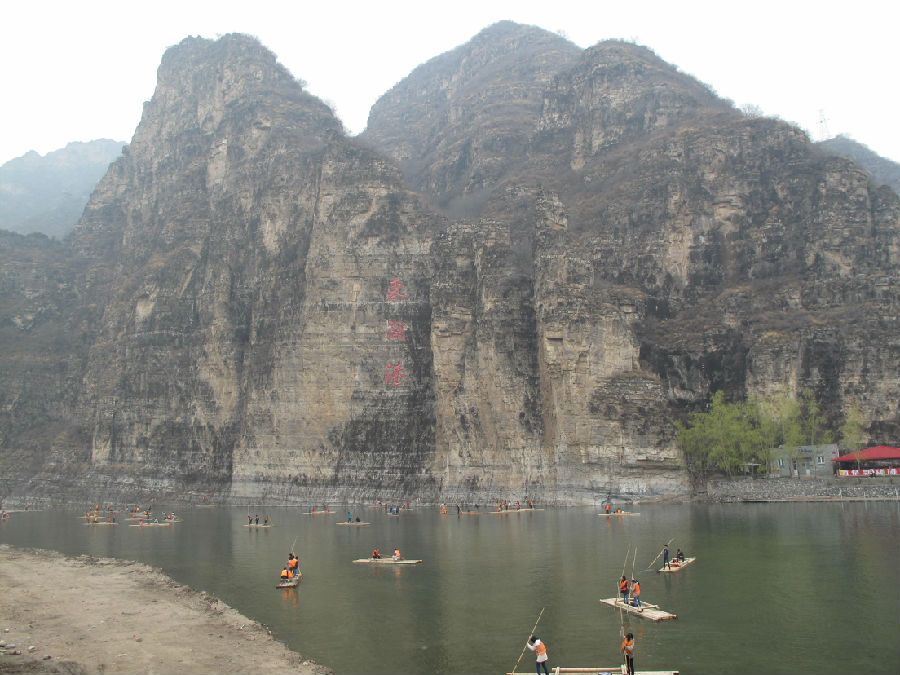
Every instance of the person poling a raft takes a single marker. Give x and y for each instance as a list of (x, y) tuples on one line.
[(628, 651), (540, 650)]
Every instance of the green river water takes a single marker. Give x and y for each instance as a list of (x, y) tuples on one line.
[(777, 588)]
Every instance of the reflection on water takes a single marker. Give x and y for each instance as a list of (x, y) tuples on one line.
[(777, 588)]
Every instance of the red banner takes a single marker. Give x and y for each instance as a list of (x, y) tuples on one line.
[(869, 472)]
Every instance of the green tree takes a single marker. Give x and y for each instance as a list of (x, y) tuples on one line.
[(725, 438), (853, 430)]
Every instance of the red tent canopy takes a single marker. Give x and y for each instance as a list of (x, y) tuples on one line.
[(869, 454)]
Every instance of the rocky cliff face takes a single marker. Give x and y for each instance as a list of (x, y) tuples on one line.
[(259, 305)]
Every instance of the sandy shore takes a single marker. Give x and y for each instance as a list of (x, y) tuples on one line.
[(99, 615)]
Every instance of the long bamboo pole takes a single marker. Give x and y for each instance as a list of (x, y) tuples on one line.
[(529, 639), (618, 581), (650, 566)]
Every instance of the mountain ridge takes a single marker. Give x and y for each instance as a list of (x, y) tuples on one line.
[(256, 304)]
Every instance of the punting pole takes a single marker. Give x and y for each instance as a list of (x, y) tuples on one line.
[(621, 612), (529, 639), (650, 566)]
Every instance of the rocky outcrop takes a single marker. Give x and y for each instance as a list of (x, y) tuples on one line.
[(882, 170), (259, 306)]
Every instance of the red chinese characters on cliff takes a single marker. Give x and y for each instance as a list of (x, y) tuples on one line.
[(394, 293), (396, 330), (394, 374)]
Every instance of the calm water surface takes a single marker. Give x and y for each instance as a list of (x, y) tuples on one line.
[(777, 588)]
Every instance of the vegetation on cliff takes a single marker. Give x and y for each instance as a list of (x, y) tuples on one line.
[(730, 437)]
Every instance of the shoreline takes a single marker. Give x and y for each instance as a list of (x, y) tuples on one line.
[(80, 614)]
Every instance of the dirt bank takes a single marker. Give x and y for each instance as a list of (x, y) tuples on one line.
[(99, 615)]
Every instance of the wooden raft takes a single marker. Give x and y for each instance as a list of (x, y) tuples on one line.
[(255, 525), (509, 511), (151, 525), (355, 524), (603, 669), (101, 523), (624, 513), (387, 561), (651, 612), (674, 566), (292, 582)]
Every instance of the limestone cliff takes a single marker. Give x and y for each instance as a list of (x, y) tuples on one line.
[(255, 304)]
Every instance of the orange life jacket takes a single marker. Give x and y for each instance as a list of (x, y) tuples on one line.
[(284, 574), (636, 589), (623, 586), (540, 649), (628, 647), (292, 563), (397, 552)]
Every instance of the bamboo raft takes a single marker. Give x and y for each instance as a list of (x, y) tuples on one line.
[(356, 524), (292, 582), (602, 669), (255, 525), (623, 513), (646, 611), (674, 565), (387, 561), (101, 523), (508, 511), (150, 525)]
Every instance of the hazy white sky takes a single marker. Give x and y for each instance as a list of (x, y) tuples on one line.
[(81, 70)]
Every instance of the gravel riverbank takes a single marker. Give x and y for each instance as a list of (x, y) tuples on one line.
[(79, 614)]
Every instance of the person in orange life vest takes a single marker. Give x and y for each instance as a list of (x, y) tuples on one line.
[(249, 519), (623, 589), (636, 593), (285, 575), (292, 563), (628, 650), (396, 555), (540, 649), (607, 508), (376, 554)]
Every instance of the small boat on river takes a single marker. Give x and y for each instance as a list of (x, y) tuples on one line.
[(621, 513), (255, 525), (291, 583), (355, 524), (646, 610), (605, 669), (150, 525), (509, 511), (675, 565), (386, 561)]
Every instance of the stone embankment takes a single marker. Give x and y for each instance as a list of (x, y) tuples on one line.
[(802, 489)]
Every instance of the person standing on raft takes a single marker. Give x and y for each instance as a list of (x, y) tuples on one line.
[(540, 649)]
